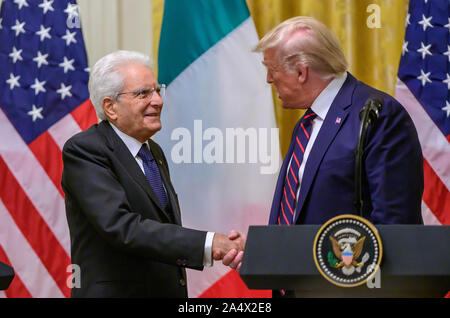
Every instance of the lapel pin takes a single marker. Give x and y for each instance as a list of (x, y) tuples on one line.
[(338, 120)]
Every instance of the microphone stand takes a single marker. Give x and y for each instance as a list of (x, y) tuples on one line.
[(368, 115)]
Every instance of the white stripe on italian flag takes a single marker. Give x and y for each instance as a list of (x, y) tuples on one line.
[(219, 132)]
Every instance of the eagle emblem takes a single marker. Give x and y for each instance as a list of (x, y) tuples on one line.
[(348, 254), (347, 250)]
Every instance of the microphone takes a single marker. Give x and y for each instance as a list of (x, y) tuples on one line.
[(368, 115)]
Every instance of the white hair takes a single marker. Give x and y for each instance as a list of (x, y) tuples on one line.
[(106, 79)]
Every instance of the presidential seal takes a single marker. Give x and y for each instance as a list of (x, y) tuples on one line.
[(348, 250)]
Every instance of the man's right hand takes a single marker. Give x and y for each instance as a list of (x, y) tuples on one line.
[(229, 249)]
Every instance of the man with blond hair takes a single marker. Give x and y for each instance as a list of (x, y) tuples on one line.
[(308, 70)]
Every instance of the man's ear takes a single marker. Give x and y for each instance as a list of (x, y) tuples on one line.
[(109, 106), (302, 73)]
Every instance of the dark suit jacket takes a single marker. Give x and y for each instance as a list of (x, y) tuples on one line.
[(392, 164), (125, 243)]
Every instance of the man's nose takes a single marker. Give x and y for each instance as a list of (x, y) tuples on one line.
[(156, 99), (269, 78)]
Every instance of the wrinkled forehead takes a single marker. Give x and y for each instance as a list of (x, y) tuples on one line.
[(270, 57), (137, 75)]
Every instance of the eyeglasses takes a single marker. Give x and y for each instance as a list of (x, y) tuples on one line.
[(145, 93)]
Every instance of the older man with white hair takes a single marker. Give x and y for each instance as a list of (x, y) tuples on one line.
[(122, 210)]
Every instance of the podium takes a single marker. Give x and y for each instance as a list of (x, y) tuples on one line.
[(6, 276), (415, 262)]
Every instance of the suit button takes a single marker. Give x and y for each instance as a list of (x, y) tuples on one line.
[(182, 282)]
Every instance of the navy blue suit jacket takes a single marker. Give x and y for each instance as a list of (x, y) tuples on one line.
[(392, 164)]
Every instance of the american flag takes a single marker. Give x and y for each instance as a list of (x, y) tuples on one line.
[(423, 89), (44, 100)]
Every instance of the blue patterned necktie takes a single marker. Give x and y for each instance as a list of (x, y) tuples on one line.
[(291, 183), (152, 174)]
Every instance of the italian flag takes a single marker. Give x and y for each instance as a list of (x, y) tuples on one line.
[(219, 132)]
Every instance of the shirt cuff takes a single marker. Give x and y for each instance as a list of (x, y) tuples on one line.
[(207, 255)]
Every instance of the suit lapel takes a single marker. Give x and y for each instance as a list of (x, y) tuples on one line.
[(275, 209), (130, 164), (333, 122)]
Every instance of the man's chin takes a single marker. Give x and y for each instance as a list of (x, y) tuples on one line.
[(156, 127), (153, 128), (153, 123), (285, 105)]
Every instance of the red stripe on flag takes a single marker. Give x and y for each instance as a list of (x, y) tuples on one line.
[(17, 289), (85, 115), (231, 286), (34, 228), (49, 156), (435, 194)]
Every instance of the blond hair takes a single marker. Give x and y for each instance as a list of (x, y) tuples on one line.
[(305, 41)]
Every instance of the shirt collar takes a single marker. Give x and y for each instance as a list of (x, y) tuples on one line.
[(132, 144), (323, 102)]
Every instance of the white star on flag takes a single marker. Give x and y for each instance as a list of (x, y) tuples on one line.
[(448, 52), (448, 25), (67, 65), (64, 91), (13, 81), (46, 5), (71, 10), (405, 48), (36, 113), (447, 81), (38, 86), (37, 116), (18, 27), (425, 22), (21, 3), (425, 50), (70, 37), (41, 59), (44, 33), (15, 55), (424, 77), (446, 108)]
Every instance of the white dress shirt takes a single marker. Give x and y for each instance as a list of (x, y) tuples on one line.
[(320, 106), (134, 146)]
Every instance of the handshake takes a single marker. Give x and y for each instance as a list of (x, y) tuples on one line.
[(229, 249)]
